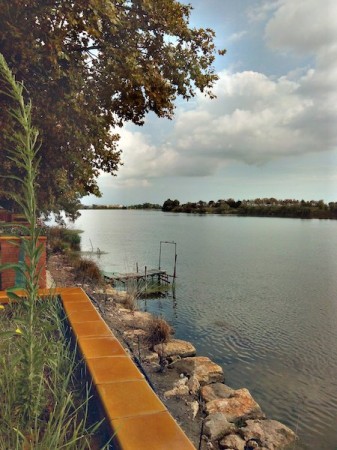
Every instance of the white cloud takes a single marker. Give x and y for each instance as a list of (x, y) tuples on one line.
[(261, 11), (237, 36), (256, 118), (303, 26)]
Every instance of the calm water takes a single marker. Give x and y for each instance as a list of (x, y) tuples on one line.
[(256, 295)]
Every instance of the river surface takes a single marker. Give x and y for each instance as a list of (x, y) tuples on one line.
[(256, 295)]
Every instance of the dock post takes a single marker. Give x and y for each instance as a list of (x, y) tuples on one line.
[(145, 278), (175, 267)]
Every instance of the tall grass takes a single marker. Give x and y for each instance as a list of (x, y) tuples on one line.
[(58, 419)]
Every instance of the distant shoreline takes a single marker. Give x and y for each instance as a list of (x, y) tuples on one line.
[(271, 212)]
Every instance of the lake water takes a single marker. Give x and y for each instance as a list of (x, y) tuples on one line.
[(256, 295)]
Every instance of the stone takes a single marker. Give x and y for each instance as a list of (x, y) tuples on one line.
[(193, 385), (177, 392), (195, 408), (205, 370), (232, 441), (240, 405), (151, 358), (216, 426), (269, 434), (176, 347), (138, 319), (134, 334), (181, 382), (252, 444), (214, 391)]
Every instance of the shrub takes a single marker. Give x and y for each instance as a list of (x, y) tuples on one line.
[(159, 332), (61, 239), (87, 271)]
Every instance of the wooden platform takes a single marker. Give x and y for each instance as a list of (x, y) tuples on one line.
[(161, 275)]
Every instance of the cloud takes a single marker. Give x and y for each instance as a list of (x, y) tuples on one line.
[(237, 36), (256, 118), (303, 26), (261, 11)]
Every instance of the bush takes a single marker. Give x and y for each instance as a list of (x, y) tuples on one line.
[(159, 332), (62, 239), (87, 271)]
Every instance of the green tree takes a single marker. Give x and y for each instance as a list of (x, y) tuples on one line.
[(89, 66)]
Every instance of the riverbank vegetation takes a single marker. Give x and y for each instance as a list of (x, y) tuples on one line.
[(261, 207), (53, 412)]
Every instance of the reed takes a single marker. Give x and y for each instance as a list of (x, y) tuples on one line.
[(39, 407)]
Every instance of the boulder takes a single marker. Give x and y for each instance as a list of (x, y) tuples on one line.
[(270, 434), (215, 390), (216, 426), (175, 347), (138, 319), (205, 370), (232, 441), (193, 385), (240, 405), (178, 391), (134, 334)]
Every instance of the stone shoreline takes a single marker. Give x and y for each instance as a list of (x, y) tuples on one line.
[(229, 418), (213, 415)]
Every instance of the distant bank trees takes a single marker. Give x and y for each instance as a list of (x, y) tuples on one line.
[(264, 207)]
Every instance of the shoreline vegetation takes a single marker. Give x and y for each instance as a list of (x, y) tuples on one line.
[(259, 207)]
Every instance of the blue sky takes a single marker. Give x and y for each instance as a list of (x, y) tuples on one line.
[(271, 132)]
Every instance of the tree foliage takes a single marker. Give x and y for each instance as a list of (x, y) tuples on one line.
[(89, 66), (261, 207)]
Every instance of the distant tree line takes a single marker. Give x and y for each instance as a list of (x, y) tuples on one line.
[(264, 207), (138, 206)]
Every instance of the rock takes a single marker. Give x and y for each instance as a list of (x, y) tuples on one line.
[(215, 390), (193, 385), (177, 392), (152, 358), (195, 408), (270, 434), (174, 358), (216, 426), (240, 405), (232, 441), (205, 370), (176, 347), (133, 334), (123, 311), (138, 319), (253, 444), (181, 382)]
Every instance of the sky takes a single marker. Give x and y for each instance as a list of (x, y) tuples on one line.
[(271, 131)]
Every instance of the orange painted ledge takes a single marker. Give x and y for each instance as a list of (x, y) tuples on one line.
[(128, 398), (137, 418), (157, 431), (96, 347)]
